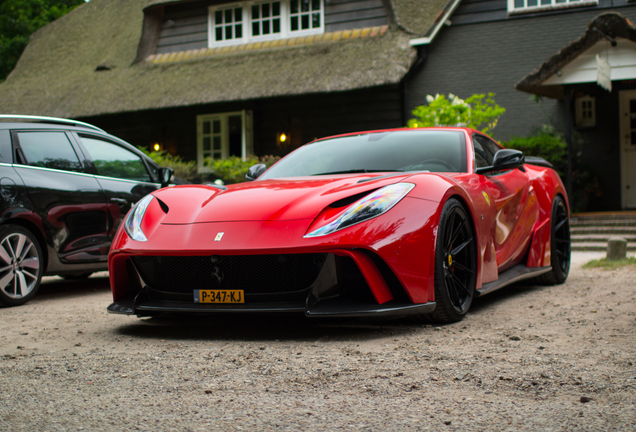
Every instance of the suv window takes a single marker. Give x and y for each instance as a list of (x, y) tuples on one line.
[(112, 160), (5, 146), (49, 150)]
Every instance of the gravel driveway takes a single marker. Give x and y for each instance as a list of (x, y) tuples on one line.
[(526, 358)]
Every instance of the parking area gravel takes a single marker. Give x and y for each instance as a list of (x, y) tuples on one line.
[(526, 358)]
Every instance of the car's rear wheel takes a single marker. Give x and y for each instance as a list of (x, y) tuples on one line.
[(560, 245), (455, 264), (21, 265)]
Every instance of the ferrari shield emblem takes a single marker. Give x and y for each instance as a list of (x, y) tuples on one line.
[(487, 197), (219, 236)]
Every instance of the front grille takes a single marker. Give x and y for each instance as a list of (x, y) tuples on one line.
[(255, 274)]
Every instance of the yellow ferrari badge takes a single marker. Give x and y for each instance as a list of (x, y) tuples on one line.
[(219, 236), (486, 196)]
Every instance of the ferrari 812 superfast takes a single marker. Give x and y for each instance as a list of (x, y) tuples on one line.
[(391, 222)]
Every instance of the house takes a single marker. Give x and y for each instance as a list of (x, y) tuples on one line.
[(601, 106), (210, 78), (517, 49), (218, 79)]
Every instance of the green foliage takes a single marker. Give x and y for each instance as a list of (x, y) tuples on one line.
[(605, 264), (183, 170), (19, 19), (479, 112), (233, 169), (547, 143)]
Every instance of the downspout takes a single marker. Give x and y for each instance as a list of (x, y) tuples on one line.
[(421, 59)]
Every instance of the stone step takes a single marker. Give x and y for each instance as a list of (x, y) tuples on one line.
[(597, 247), (599, 238), (603, 222), (627, 215), (613, 230)]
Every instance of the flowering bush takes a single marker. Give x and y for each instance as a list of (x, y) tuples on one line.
[(477, 111)]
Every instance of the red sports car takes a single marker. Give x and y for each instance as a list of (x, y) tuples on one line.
[(391, 222)]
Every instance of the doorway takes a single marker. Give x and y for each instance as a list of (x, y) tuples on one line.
[(627, 102)]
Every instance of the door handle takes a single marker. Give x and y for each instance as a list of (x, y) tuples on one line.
[(119, 200)]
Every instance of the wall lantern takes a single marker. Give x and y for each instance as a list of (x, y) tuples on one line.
[(282, 138), (156, 147)]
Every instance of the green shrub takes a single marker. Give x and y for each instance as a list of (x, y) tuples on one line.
[(183, 170), (477, 111), (233, 169), (550, 144), (547, 143)]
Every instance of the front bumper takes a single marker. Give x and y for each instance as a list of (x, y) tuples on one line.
[(338, 289)]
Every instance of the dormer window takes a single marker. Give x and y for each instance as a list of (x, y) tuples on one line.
[(259, 21), (521, 6)]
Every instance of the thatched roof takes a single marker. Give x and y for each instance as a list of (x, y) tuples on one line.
[(84, 64), (419, 17), (611, 24)]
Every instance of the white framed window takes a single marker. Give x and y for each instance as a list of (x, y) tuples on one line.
[(228, 25), (585, 111), (222, 135), (264, 20), (533, 5)]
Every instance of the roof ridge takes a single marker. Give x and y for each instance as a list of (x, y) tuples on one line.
[(276, 43)]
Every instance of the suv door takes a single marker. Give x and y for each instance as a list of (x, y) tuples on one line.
[(124, 175), (69, 201)]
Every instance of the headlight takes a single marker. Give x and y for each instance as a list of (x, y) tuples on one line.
[(369, 207), (136, 215)]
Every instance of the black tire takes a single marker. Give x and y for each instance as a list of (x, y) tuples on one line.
[(455, 264), (560, 245), (21, 265)]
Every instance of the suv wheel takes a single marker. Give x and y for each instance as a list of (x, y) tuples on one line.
[(21, 265)]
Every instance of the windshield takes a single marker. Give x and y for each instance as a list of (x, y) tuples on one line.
[(410, 150)]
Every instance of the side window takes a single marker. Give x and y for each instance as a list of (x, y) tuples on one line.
[(5, 146), (49, 150), (112, 160), (485, 150)]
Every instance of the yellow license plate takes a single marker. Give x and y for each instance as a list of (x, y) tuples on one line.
[(219, 296)]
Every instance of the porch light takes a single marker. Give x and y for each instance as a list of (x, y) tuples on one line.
[(282, 137), (156, 147)]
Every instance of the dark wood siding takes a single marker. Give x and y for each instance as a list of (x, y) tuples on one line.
[(353, 14), (186, 27), (477, 11), (303, 118), (183, 30), (470, 11)]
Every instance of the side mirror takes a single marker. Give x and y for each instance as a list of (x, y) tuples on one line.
[(255, 171), (505, 159), (165, 175)]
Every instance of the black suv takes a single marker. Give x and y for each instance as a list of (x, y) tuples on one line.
[(65, 186)]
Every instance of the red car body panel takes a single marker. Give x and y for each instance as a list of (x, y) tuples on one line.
[(510, 213)]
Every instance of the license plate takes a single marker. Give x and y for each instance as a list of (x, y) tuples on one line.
[(219, 296)]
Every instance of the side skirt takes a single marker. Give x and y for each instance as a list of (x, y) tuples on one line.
[(515, 274)]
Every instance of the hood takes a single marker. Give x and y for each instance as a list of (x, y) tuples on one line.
[(267, 200)]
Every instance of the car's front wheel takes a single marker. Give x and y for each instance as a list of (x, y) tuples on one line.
[(455, 264), (21, 265)]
